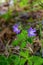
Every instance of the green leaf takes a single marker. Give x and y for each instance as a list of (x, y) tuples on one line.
[(3, 60), (14, 59), (22, 61), (37, 60), (24, 54), (20, 37), (23, 44), (15, 42), (30, 39)]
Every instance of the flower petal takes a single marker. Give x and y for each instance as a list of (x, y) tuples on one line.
[(15, 29), (31, 32)]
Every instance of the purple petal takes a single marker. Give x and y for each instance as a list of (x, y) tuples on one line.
[(15, 29), (17, 32), (31, 32), (34, 30)]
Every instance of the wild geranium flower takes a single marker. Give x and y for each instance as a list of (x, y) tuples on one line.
[(16, 29), (31, 32)]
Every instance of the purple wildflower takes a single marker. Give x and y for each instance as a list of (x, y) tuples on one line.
[(15, 29), (31, 32)]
